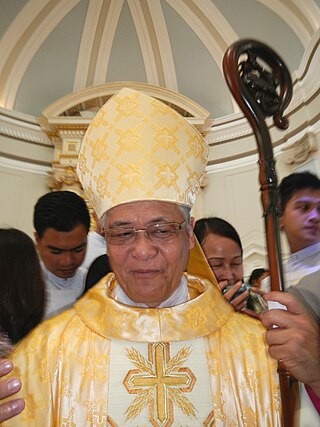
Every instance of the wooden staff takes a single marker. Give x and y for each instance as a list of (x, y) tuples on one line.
[(261, 84)]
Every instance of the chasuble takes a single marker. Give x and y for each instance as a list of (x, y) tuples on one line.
[(103, 363)]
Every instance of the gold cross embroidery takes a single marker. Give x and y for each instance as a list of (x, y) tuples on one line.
[(159, 382), (100, 414)]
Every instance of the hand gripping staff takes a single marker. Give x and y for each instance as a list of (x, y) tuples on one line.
[(261, 84)]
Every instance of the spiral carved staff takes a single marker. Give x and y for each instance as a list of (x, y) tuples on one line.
[(261, 84)]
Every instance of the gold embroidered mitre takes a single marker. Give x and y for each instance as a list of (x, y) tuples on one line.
[(138, 148)]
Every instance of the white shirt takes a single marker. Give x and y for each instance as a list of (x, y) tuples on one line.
[(298, 265), (96, 246), (62, 293), (301, 264)]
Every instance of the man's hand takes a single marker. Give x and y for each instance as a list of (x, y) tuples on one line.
[(9, 387), (295, 340)]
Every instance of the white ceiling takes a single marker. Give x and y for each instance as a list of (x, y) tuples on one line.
[(51, 48)]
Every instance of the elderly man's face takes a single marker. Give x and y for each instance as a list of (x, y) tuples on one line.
[(148, 270)]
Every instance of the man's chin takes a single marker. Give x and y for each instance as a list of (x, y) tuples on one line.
[(66, 274)]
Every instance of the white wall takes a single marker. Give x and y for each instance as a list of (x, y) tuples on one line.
[(19, 191), (25, 159)]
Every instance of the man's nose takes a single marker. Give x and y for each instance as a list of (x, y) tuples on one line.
[(143, 247), (66, 258), (315, 214)]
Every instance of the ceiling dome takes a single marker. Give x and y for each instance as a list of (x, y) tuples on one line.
[(52, 48)]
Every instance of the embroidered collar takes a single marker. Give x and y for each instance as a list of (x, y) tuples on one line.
[(205, 312)]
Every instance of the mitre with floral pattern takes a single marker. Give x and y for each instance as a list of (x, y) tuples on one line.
[(137, 148)]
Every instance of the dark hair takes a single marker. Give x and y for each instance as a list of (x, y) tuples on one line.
[(99, 268), (256, 274), (295, 182), (214, 225), (60, 210), (22, 286)]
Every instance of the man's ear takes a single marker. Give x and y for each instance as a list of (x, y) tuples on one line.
[(36, 237), (281, 222), (191, 233), (192, 222)]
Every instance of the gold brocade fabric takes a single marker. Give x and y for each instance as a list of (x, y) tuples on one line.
[(198, 264), (103, 363), (139, 148)]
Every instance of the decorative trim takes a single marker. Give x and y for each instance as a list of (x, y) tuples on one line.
[(300, 148), (34, 29), (15, 163), (176, 99), (22, 128), (296, 16)]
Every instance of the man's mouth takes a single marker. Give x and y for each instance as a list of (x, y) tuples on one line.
[(314, 229), (145, 273), (67, 271)]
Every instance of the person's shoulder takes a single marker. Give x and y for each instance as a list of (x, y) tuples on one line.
[(245, 320), (244, 335), (310, 278), (48, 332), (307, 291), (81, 272), (243, 324), (309, 284)]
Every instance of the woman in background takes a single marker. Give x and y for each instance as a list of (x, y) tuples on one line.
[(22, 303), (22, 287), (222, 247)]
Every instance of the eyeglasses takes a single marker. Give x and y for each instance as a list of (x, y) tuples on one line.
[(157, 233)]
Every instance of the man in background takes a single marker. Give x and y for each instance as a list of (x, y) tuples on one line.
[(61, 220), (299, 201), (299, 195)]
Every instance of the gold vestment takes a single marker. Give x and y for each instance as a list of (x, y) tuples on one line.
[(102, 363)]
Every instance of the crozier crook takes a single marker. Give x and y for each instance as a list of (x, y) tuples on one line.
[(261, 84)]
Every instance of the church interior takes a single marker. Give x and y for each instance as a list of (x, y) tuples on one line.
[(62, 59)]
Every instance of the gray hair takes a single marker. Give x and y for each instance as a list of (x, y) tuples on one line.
[(102, 220), (185, 210)]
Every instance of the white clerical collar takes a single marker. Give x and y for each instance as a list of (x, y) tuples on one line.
[(179, 296)]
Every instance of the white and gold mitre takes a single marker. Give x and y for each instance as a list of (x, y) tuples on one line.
[(137, 148)]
